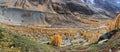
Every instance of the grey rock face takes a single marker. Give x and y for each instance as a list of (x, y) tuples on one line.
[(61, 12), (21, 17)]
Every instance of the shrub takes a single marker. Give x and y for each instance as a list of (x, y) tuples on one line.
[(56, 40)]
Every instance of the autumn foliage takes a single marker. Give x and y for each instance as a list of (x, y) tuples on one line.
[(115, 24), (91, 37), (56, 40), (111, 26)]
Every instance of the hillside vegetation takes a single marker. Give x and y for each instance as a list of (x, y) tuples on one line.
[(11, 42)]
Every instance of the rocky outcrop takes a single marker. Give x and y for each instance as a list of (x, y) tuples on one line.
[(72, 7)]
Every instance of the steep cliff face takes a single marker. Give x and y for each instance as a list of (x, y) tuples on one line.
[(53, 12), (105, 7), (42, 12), (69, 7)]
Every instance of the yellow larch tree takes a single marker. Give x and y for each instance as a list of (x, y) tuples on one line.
[(115, 24), (56, 40)]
